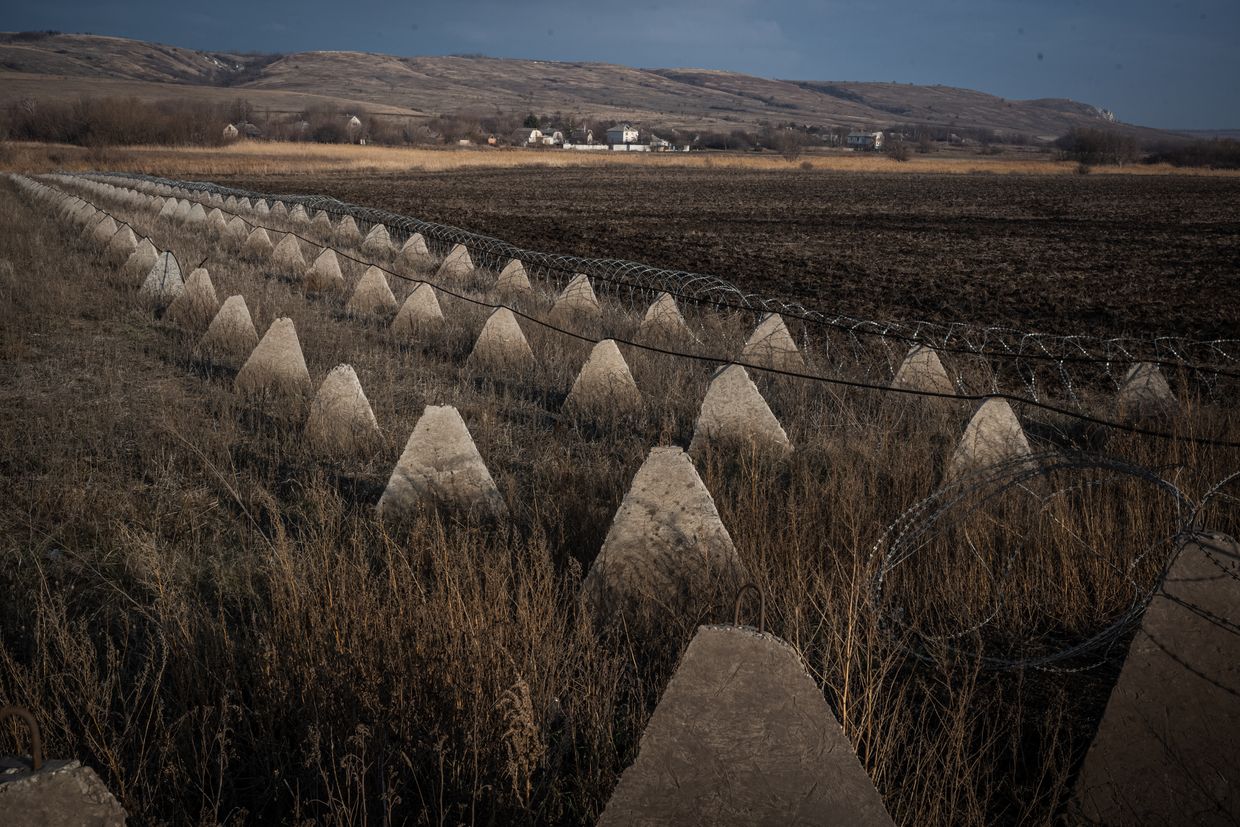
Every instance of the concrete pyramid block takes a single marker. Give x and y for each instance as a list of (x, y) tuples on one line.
[(420, 315), (197, 304), (244, 206), (87, 222), (1145, 395), (276, 368), (286, 257), (257, 246), (771, 346), (235, 232), (372, 294), (666, 548), (163, 281), (1167, 750), (501, 346), (168, 208), (604, 383), (62, 792), (231, 337), (341, 422), (70, 208), (414, 254), (377, 244), (103, 231), (440, 467), (230, 203), (743, 735), (922, 370), (576, 305), (663, 323), (216, 222), (279, 212), (262, 210), (346, 233), (513, 282), (735, 416), (324, 274), (195, 215), (139, 263), (321, 226), (297, 217), (120, 246), (181, 212), (457, 266), (993, 437)]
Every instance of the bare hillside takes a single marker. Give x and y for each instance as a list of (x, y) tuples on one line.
[(428, 86)]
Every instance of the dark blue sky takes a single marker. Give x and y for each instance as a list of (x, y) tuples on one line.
[(1163, 64)]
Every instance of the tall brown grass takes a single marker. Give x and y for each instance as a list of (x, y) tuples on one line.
[(216, 621), (278, 158)]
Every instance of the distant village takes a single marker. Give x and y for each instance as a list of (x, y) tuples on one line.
[(620, 137), (623, 137)]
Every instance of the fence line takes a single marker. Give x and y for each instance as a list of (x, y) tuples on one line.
[(715, 359), (977, 340), (906, 536)]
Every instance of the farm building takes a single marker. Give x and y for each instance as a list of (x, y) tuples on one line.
[(527, 136), (553, 138), (865, 140), (658, 144), (622, 134), (582, 136), (241, 129)]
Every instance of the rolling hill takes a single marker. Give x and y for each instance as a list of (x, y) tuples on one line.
[(65, 66)]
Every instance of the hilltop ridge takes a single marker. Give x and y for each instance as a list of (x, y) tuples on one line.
[(64, 66)]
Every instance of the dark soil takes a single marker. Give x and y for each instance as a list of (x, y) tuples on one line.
[(1140, 255)]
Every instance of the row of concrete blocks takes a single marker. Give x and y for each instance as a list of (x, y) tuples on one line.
[(992, 436), (723, 769), (1144, 393)]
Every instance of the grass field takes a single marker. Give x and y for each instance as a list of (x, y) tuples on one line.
[(211, 615), (261, 158)]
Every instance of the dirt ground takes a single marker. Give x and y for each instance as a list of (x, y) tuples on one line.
[(1093, 254)]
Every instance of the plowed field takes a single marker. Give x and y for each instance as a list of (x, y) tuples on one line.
[(1090, 254)]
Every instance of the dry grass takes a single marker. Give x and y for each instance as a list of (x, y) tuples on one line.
[(215, 620), (257, 158)]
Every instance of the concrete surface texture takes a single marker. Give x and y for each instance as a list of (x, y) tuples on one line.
[(1168, 748), (744, 736)]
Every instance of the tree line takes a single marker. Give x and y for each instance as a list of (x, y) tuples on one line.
[(112, 121)]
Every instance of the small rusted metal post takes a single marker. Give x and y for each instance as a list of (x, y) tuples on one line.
[(36, 740)]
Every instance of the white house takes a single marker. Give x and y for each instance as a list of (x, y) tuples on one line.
[(658, 144), (865, 140), (553, 138), (622, 134), (230, 132), (354, 122), (527, 136)]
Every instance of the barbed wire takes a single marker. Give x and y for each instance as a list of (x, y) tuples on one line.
[(839, 381), (917, 526), (985, 341)]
